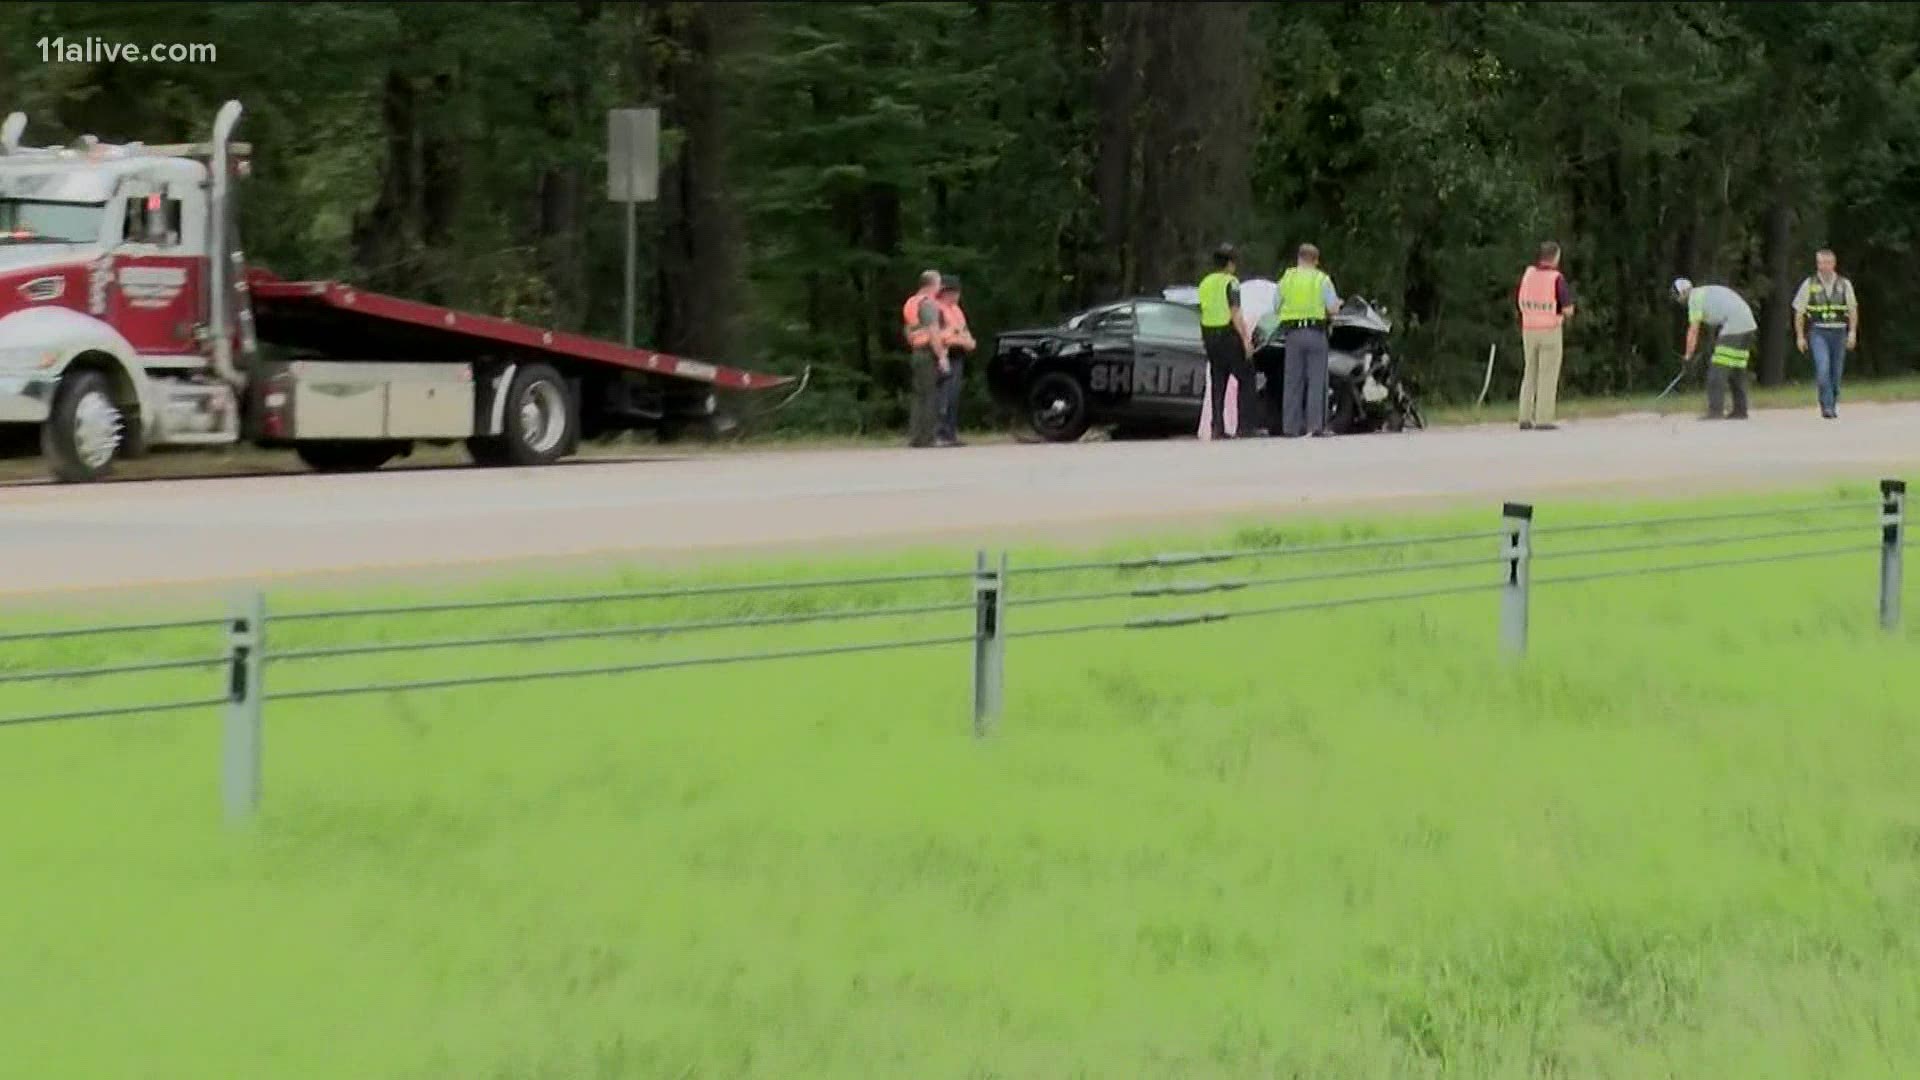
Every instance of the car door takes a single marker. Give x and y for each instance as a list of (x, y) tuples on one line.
[(158, 263), (1110, 363), (1170, 362)]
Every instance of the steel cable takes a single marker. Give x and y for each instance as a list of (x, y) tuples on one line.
[(1197, 558), (616, 597), (122, 628), (1602, 575), (612, 669), (1699, 541), (62, 674), (1696, 519), (108, 713), (1237, 584), (332, 652), (1162, 622)]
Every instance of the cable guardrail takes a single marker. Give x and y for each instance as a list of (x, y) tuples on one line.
[(1830, 506), (1706, 564), (113, 712), (610, 669), (247, 660), (70, 632), (685, 592), (110, 671), (597, 633), (1193, 588), (1198, 618), (1698, 541), (1176, 559)]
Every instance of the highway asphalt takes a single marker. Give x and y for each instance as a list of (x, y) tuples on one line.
[(193, 532)]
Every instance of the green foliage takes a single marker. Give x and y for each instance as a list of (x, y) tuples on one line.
[(455, 151)]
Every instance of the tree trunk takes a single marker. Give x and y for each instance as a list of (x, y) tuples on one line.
[(559, 234), (382, 236), (700, 259), (1776, 332), (1193, 180), (1113, 167), (441, 181)]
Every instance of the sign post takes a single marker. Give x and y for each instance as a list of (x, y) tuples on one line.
[(633, 176)]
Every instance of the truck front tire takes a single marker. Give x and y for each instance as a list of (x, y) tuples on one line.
[(86, 429), (540, 422)]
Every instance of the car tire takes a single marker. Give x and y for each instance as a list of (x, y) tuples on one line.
[(85, 432), (347, 457), (1343, 413), (1057, 407), (539, 420)]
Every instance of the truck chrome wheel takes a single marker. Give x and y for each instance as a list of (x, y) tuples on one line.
[(543, 417), (538, 424), (97, 427)]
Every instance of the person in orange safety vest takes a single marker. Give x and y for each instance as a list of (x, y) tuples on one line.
[(1545, 302), (920, 318), (960, 345)]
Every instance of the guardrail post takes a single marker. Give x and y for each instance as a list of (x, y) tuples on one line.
[(989, 646), (1893, 539), (1517, 553), (240, 753)]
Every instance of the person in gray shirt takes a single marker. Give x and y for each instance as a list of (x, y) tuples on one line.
[(1734, 329), (1826, 315)]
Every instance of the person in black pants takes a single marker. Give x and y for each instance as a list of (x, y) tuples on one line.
[(1223, 331), (959, 340)]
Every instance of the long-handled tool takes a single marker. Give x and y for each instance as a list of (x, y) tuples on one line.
[(1676, 379)]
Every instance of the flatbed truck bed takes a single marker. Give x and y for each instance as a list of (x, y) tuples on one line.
[(339, 319)]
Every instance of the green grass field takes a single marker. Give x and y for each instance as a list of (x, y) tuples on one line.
[(1680, 840)]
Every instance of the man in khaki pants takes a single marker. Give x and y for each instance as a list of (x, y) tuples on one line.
[(1545, 303)]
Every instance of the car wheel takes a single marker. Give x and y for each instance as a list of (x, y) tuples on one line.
[(539, 422), (1057, 407), (84, 434), (1343, 413)]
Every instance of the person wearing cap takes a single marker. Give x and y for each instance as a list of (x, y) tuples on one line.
[(920, 318), (1734, 327), (959, 341), (1228, 342), (1308, 303), (1827, 301)]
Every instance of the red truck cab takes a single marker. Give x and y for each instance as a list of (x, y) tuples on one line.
[(129, 320)]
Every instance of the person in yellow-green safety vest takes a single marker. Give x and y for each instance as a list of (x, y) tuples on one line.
[(1308, 303), (1228, 342), (1826, 312), (1734, 329)]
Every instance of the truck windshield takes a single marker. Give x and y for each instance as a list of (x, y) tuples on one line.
[(38, 221)]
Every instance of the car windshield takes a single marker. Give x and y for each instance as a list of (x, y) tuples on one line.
[(39, 221), (1087, 318)]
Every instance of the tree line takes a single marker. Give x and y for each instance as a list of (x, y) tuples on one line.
[(817, 156)]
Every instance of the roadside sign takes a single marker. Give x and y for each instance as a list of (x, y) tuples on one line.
[(633, 155)]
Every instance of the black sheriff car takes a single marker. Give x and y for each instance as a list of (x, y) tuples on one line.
[(1138, 366), (1133, 365)]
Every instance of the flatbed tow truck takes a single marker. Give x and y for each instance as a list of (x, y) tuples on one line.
[(129, 319)]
